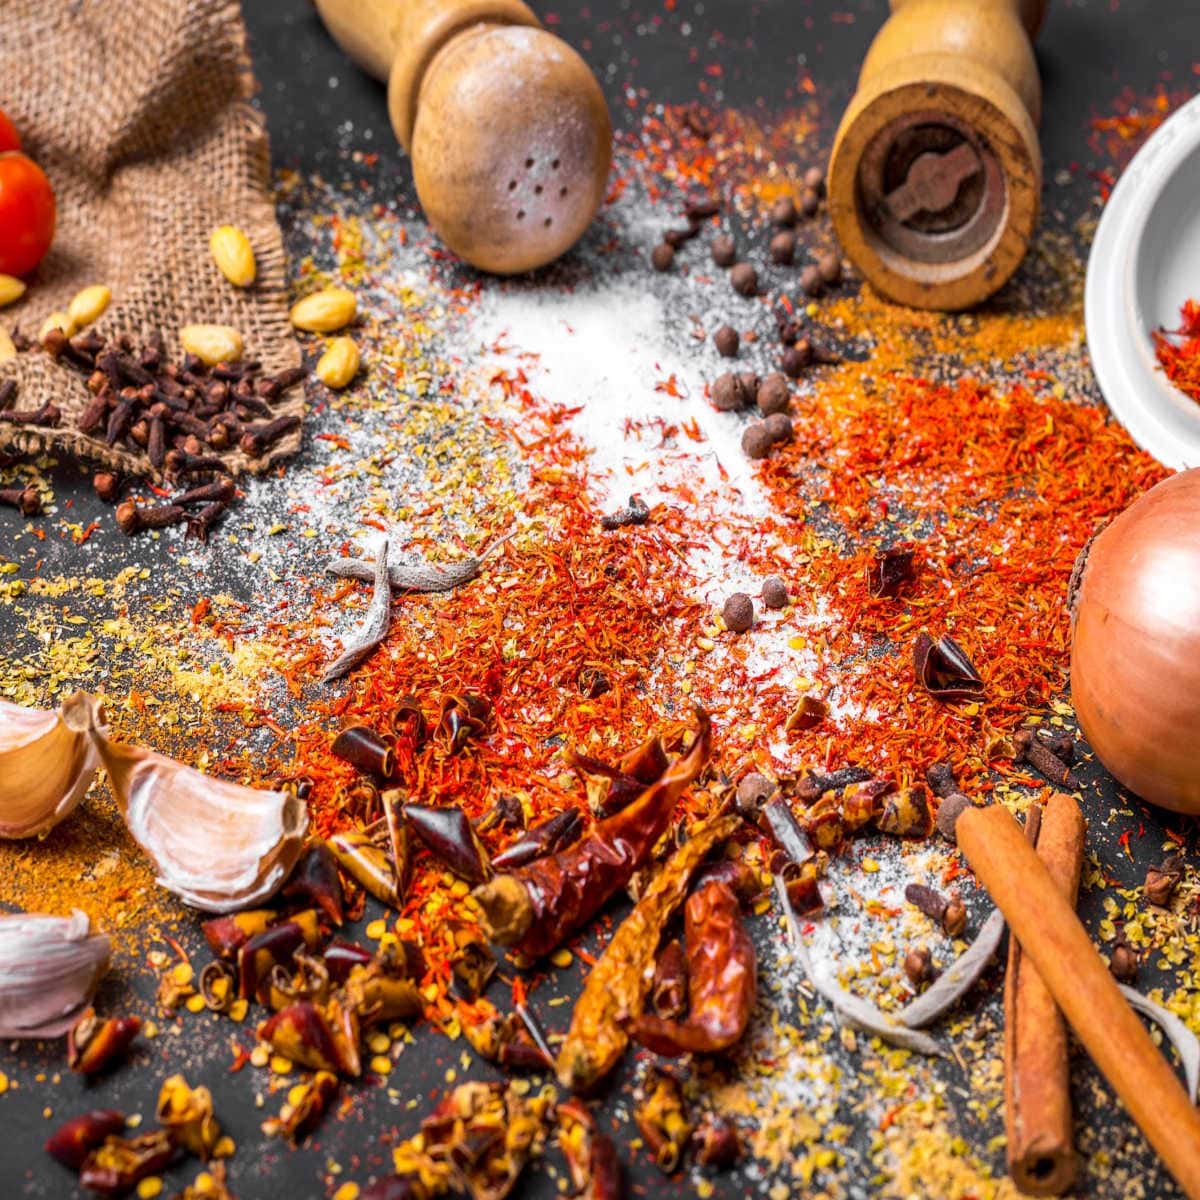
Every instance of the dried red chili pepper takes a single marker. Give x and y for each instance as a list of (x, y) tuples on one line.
[(722, 981), (506, 1042), (227, 935), (944, 669), (75, 1139), (120, 1163), (716, 1142), (537, 906), (384, 990), (891, 571), (906, 813), (472, 964), (547, 838), (341, 957), (276, 946), (368, 865), (786, 831), (94, 1044), (408, 721), (316, 881), (187, 1114), (591, 1155), (739, 876), (363, 748), (447, 834), (306, 1104), (463, 718), (623, 783), (324, 1037)]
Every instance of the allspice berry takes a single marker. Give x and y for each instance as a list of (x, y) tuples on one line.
[(796, 358), (814, 180), (662, 256), (829, 267), (778, 427), (729, 393), (783, 211), (1124, 962), (773, 394), (948, 812), (918, 965), (744, 279), (750, 383), (1161, 881), (783, 247), (954, 918), (727, 341), (774, 592), (810, 280), (756, 441), (738, 612), (810, 201), (724, 252), (752, 793)]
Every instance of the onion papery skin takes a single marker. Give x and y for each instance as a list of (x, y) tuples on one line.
[(1135, 645)]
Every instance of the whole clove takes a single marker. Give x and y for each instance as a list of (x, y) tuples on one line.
[(27, 500), (1060, 743), (1161, 881), (813, 786), (1032, 750), (636, 512), (950, 914), (46, 417), (918, 965), (752, 793), (256, 440), (131, 519), (222, 490), (200, 524)]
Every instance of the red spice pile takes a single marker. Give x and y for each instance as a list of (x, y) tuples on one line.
[(1181, 359)]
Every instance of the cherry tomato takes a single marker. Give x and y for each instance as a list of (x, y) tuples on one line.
[(8, 134), (26, 214)]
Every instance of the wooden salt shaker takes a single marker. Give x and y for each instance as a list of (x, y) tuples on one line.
[(936, 172), (506, 126)]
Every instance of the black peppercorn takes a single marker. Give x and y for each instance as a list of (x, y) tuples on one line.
[(756, 441), (729, 392), (774, 592), (783, 247), (810, 280), (662, 256), (727, 341), (744, 279), (783, 211), (773, 394), (738, 612), (724, 252), (778, 427)]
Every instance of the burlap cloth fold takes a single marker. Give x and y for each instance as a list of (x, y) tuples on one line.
[(137, 111)]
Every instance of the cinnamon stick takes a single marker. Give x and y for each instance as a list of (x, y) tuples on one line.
[(1037, 1098), (1050, 933)]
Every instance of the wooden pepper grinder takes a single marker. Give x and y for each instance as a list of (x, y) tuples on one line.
[(936, 171), (506, 126)]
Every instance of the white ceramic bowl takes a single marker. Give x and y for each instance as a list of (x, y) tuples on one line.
[(1145, 262)]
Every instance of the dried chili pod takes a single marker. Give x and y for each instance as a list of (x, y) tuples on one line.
[(408, 721), (625, 781), (187, 1114), (715, 1142), (118, 1164), (358, 800), (316, 881), (786, 831), (739, 876), (506, 1042), (890, 571), (591, 1155), (93, 1044), (276, 946), (75, 1139), (540, 904), (383, 991), (367, 865), (668, 992), (407, 1186), (661, 1117), (308, 981), (809, 712), (363, 748), (803, 888), (463, 718), (306, 1104), (325, 1037), (861, 803), (341, 957), (218, 985), (399, 839), (227, 935), (906, 813), (547, 838), (447, 834), (472, 965), (944, 669), (722, 980)]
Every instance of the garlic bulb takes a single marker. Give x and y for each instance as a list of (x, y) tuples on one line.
[(45, 765), (49, 969), (217, 845)]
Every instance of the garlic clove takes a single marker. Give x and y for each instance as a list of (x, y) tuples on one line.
[(217, 845), (49, 970), (46, 765)]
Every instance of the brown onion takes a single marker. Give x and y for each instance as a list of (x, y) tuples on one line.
[(1135, 645)]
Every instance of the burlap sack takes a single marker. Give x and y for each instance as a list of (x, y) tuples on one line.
[(137, 111)]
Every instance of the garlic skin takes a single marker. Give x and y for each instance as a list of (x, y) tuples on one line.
[(49, 970), (217, 845), (46, 765)]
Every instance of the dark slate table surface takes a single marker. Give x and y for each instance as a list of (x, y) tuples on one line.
[(1088, 52)]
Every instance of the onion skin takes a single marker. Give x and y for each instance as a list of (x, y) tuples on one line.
[(1135, 645)]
